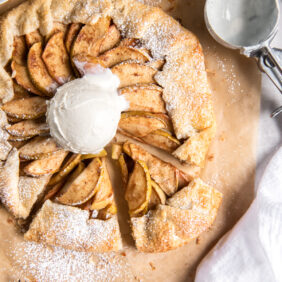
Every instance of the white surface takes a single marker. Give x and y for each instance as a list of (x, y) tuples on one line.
[(252, 250), (90, 107)]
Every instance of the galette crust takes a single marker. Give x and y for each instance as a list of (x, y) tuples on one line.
[(71, 228), (185, 216), (19, 193), (188, 102)]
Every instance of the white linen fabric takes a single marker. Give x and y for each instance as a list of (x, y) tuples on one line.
[(252, 250)]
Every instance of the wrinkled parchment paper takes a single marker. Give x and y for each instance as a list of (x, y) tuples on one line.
[(235, 82)]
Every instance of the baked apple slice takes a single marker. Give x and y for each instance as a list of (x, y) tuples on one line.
[(48, 165), (111, 39), (67, 168), (139, 189), (118, 155), (162, 139), (140, 124), (116, 151), (20, 50), (28, 128), (72, 32), (131, 73), (163, 173), (131, 42), (146, 98), (101, 154), (13, 119), (83, 188), (90, 38), (56, 59), (123, 168), (14, 143), (57, 187), (38, 71), (22, 77), (84, 63), (107, 212), (26, 108), (15, 139), (39, 147), (19, 92), (158, 196), (104, 191), (121, 54), (53, 191), (135, 44), (76, 172)]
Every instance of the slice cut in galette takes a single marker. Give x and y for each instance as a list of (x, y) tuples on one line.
[(83, 215), (68, 196), (166, 211)]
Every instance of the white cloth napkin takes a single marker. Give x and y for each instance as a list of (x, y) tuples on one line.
[(252, 250)]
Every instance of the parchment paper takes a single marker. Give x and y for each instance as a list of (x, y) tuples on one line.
[(235, 82)]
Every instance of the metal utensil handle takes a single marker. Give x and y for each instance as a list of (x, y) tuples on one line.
[(269, 62), (276, 112)]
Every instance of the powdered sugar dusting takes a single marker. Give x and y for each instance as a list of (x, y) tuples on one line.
[(227, 70), (161, 35), (29, 189), (71, 228), (234, 85), (156, 32), (167, 227), (5, 146), (9, 177), (37, 262), (3, 118), (186, 91)]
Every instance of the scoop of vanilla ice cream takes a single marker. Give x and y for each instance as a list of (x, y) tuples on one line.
[(84, 113)]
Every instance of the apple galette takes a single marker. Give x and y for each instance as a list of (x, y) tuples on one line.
[(68, 197)]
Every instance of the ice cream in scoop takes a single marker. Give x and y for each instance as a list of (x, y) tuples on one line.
[(84, 113)]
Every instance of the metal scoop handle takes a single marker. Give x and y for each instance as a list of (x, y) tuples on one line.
[(270, 61)]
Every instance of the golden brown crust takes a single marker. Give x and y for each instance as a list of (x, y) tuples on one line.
[(165, 174), (195, 148), (30, 189), (188, 102), (187, 214), (5, 146), (9, 178), (71, 228), (19, 193)]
